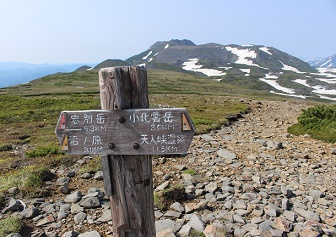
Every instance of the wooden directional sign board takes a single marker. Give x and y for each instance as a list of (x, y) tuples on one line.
[(125, 132)]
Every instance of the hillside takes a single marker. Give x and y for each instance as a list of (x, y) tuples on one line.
[(256, 66)]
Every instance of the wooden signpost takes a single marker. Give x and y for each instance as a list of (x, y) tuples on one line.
[(126, 133)]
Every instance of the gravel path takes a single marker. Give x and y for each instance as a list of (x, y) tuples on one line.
[(251, 178)]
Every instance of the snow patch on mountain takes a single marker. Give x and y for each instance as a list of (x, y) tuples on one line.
[(291, 95), (190, 65), (330, 81), (243, 55), (266, 50), (289, 68), (246, 71), (277, 86), (270, 76), (150, 52), (316, 89)]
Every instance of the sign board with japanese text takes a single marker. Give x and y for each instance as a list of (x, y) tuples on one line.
[(125, 132)]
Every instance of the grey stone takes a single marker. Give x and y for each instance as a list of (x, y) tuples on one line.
[(173, 214), (180, 167), (46, 220), (166, 233), (75, 208), (158, 214), (290, 215), (239, 219), (202, 205), (13, 205), (79, 217), (62, 181), (196, 223), (226, 154), (210, 197), (73, 197), (93, 233), (249, 196), (163, 186), (265, 225), (177, 207), (185, 231), (240, 204), (30, 212), (211, 187), (228, 204), (65, 189), (315, 193), (14, 235), (71, 174), (61, 215), (242, 212), (228, 189), (271, 210), (207, 137), (285, 204), (90, 202), (99, 175), (167, 177), (221, 197), (86, 176), (50, 208), (308, 215), (65, 208), (165, 224), (106, 216), (281, 223)]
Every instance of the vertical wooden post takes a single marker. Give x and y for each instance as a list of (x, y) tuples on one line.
[(131, 182)]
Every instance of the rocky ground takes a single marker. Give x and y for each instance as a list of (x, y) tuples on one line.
[(251, 178)]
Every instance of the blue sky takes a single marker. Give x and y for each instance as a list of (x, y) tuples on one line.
[(62, 31)]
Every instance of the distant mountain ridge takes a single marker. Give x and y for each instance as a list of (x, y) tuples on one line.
[(258, 66), (14, 73), (329, 62), (177, 52)]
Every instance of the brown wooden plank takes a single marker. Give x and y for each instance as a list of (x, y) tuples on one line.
[(132, 201), (150, 131)]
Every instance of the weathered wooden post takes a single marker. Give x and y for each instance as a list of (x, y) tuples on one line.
[(126, 133), (131, 180)]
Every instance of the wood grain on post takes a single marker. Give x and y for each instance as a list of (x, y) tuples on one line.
[(131, 182)]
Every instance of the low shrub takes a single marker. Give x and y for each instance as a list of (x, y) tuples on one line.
[(43, 151), (318, 121)]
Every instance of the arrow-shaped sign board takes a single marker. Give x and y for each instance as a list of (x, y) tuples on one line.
[(125, 132)]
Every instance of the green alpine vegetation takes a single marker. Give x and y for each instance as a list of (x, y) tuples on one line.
[(318, 121)]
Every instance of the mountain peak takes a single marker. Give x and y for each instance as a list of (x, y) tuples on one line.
[(173, 42)]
